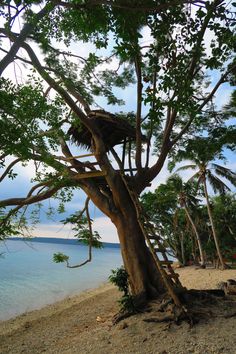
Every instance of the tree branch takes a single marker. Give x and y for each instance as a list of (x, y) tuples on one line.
[(130, 158), (3, 156), (51, 82), (195, 56), (204, 103), (73, 91), (79, 166), (3, 30), (138, 155), (9, 214), (151, 119), (26, 30), (9, 167), (86, 209), (152, 172), (31, 199), (167, 144), (38, 185), (157, 8)]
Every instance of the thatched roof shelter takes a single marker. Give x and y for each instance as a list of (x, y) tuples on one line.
[(113, 130)]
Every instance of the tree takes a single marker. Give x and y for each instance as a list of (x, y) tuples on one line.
[(225, 222), (202, 152), (60, 94), (162, 207), (187, 199), (164, 212)]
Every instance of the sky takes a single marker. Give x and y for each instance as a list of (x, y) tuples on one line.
[(20, 186)]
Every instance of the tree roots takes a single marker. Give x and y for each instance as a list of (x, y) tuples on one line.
[(197, 305)]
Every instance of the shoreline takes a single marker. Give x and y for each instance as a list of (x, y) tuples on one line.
[(84, 321), (52, 308), (62, 302), (203, 279)]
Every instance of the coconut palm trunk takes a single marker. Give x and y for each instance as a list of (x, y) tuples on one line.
[(212, 225), (182, 248), (202, 258)]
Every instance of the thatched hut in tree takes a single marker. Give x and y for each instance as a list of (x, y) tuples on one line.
[(113, 129)]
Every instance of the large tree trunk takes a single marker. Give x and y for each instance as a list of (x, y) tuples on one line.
[(144, 277), (213, 226)]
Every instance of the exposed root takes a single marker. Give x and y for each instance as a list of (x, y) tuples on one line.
[(196, 306), (230, 315), (122, 315), (167, 318)]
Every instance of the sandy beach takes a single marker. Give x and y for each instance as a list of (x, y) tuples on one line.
[(82, 324)]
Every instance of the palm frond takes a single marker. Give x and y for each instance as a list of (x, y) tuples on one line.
[(176, 182), (187, 167), (217, 184), (192, 201), (194, 177), (225, 173)]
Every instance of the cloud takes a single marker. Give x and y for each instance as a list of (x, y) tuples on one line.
[(53, 230), (106, 229), (102, 225)]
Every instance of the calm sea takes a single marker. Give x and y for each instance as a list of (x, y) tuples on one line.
[(29, 279)]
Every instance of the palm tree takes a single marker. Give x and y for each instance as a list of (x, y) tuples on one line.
[(211, 172), (187, 199)]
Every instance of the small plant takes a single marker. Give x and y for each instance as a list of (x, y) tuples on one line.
[(119, 277)]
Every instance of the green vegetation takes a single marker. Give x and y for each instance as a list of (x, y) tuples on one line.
[(120, 278), (177, 231), (203, 152)]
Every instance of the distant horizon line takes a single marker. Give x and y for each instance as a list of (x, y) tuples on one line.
[(53, 239)]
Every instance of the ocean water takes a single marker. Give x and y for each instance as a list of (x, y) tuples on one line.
[(29, 279)]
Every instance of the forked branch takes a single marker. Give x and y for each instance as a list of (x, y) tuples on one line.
[(90, 240)]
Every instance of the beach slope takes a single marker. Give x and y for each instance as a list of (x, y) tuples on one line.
[(82, 324)]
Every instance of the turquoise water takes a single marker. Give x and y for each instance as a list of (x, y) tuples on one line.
[(29, 279)]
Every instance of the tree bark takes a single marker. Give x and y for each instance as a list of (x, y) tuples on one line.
[(213, 226), (182, 248), (197, 236), (144, 278), (26, 31)]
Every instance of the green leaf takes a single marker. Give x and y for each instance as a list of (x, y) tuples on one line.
[(60, 257)]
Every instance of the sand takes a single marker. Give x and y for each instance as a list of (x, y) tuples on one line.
[(82, 324)]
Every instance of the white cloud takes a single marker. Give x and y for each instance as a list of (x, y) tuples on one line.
[(102, 225), (53, 230), (26, 171), (106, 229)]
